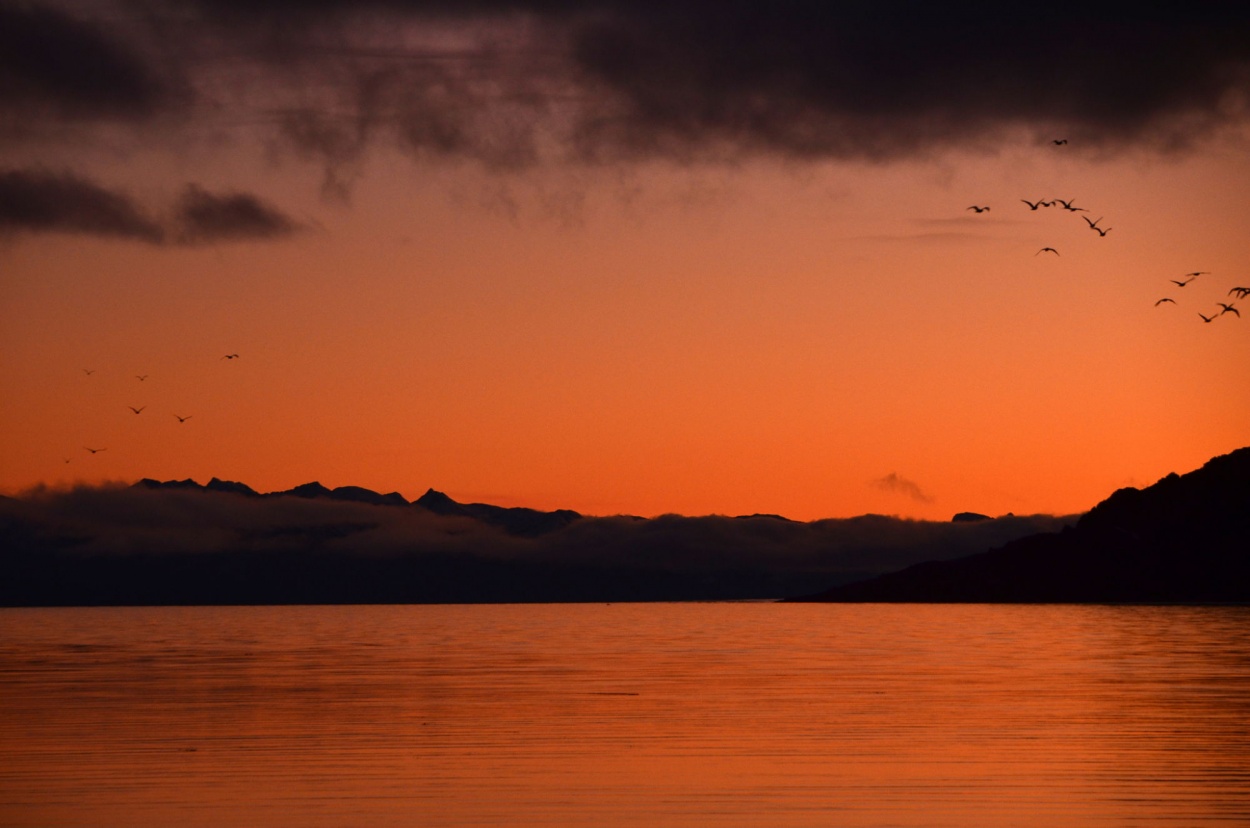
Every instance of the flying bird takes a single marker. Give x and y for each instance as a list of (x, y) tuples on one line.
[(1067, 205), (1181, 284), (138, 410), (1199, 273), (94, 451), (88, 371), (1242, 292), (231, 356), (1059, 142), (979, 209), (1033, 205), (1228, 309), (1045, 249), (141, 377), (184, 419), (1164, 299), (1093, 225), (1206, 318)]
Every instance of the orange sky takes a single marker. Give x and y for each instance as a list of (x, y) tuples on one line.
[(650, 336)]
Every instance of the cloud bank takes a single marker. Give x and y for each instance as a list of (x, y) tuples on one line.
[(187, 544)]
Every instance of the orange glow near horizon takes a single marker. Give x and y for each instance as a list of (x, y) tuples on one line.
[(659, 339)]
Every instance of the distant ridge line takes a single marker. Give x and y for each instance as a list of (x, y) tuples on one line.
[(516, 520)]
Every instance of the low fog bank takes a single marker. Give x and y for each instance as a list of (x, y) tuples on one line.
[(191, 545)]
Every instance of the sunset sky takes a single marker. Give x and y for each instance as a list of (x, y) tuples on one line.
[(689, 257)]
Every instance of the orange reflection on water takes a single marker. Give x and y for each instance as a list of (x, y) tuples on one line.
[(655, 714)]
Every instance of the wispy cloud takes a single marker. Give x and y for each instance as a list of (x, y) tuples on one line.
[(205, 217), (901, 485)]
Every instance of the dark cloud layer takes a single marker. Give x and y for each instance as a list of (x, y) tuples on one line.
[(817, 79), (101, 544), (512, 83), (39, 201), (517, 85), (883, 79), (205, 217)]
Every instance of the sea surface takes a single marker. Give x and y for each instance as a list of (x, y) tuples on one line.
[(740, 714)]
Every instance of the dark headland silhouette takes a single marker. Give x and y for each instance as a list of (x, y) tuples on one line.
[(1186, 539)]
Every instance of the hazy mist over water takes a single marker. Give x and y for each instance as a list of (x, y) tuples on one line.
[(626, 714)]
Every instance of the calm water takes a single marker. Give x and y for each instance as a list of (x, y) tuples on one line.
[(626, 714)]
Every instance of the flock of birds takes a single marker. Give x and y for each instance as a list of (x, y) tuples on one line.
[(1068, 205), (1095, 225), (141, 408), (1225, 307)]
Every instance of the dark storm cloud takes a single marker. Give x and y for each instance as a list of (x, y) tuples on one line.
[(510, 84), (884, 79), (36, 201), (692, 78), (205, 217), (53, 65)]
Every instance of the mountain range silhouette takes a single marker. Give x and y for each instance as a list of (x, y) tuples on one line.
[(517, 520)]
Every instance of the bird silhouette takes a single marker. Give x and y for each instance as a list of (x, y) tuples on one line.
[(184, 419), (1093, 223), (1228, 309), (1103, 232), (1181, 284), (88, 371), (1033, 205), (1206, 318), (231, 356), (138, 410), (1045, 249), (94, 451), (1242, 292), (979, 209), (141, 377), (1164, 299), (1199, 273), (1067, 205), (1059, 142)]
